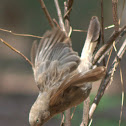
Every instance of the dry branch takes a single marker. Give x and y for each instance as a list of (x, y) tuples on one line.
[(67, 10), (59, 15), (68, 117), (106, 46), (15, 50), (73, 112), (115, 15), (17, 34), (78, 30), (47, 13), (107, 51), (122, 11), (100, 55), (63, 118), (67, 6), (86, 108), (108, 79), (102, 27)]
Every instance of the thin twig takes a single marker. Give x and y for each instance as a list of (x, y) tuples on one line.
[(67, 18), (115, 16), (122, 85), (78, 30), (67, 10), (54, 20), (25, 35), (68, 118), (67, 6), (63, 118), (122, 11), (108, 79), (67, 13), (117, 41), (73, 113), (47, 13), (15, 50), (59, 15), (86, 108), (102, 27), (109, 57), (107, 45), (110, 26)]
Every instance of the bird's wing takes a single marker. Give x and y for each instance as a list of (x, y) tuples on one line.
[(53, 59), (77, 80)]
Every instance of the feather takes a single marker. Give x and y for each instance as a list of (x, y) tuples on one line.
[(54, 61), (79, 80), (33, 52)]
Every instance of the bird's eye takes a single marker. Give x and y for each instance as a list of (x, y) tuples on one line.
[(37, 121)]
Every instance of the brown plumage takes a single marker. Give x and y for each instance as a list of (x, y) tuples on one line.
[(61, 75)]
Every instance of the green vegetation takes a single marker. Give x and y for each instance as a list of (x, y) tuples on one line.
[(107, 113)]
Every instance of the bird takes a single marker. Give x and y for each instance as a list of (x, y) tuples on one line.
[(63, 78)]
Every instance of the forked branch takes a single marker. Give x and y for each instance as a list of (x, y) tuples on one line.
[(107, 79), (106, 46)]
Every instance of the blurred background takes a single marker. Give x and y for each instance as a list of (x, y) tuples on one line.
[(17, 87)]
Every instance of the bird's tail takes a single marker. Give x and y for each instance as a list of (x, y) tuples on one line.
[(93, 37)]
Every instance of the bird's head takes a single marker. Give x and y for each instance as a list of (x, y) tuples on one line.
[(39, 112)]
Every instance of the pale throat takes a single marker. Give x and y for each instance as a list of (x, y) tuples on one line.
[(43, 101)]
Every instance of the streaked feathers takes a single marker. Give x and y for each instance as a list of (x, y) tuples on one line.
[(53, 59)]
